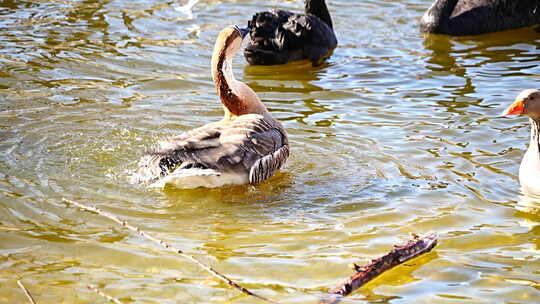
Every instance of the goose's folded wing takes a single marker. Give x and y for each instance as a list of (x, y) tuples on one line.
[(272, 159), (255, 147), (233, 146), (206, 136), (162, 159)]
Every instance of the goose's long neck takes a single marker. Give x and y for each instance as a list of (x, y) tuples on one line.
[(237, 97), (224, 78), (535, 136), (437, 17), (318, 8), (225, 83)]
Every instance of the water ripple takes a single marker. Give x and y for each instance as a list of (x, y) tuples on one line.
[(398, 132)]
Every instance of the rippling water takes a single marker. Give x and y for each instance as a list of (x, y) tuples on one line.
[(397, 133)]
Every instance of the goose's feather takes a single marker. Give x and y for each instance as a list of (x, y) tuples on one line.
[(249, 148), (265, 167), (529, 170), (196, 177)]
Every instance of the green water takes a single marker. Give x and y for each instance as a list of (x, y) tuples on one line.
[(397, 133)]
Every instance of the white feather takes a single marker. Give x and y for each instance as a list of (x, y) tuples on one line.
[(196, 177), (428, 18)]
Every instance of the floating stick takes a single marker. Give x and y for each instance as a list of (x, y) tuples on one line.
[(101, 293), (416, 246), (169, 247), (26, 292)]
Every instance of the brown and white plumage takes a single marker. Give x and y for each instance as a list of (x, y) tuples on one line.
[(528, 103), (247, 146)]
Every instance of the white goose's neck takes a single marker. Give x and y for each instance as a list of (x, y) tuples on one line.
[(535, 136), (529, 170)]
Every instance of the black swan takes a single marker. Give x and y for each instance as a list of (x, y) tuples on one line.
[(247, 146), (472, 17), (278, 37), (528, 103)]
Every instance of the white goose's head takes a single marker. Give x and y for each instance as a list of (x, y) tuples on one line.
[(526, 103)]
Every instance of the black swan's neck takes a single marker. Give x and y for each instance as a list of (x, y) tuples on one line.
[(535, 135), (318, 8), (437, 17)]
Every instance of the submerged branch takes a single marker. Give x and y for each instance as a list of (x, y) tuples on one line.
[(26, 292), (101, 293), (416, 246), (168, 246)]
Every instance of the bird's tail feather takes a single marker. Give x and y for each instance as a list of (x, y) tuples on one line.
[(187, 178)]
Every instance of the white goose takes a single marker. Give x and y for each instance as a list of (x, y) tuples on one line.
[(247, 146), (528, 103)]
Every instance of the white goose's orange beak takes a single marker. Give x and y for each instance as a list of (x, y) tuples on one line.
[(516, 108)]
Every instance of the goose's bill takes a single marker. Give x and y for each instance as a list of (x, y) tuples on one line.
[(516, 108), (242, 30)]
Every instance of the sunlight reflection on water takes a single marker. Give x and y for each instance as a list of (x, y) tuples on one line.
[(398, 132)]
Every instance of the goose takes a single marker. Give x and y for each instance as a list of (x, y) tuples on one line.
[(247, 146), (528, 103), (473, 17), (278, 36)]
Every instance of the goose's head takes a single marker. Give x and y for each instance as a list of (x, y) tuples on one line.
[(228, 43), (526, 103), (237, 97)]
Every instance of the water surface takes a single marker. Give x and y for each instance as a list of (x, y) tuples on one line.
[(397, 133)]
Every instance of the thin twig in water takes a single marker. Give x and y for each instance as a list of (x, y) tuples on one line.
[(101, 293), (26, 292), (416, 246), (169, 247)]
